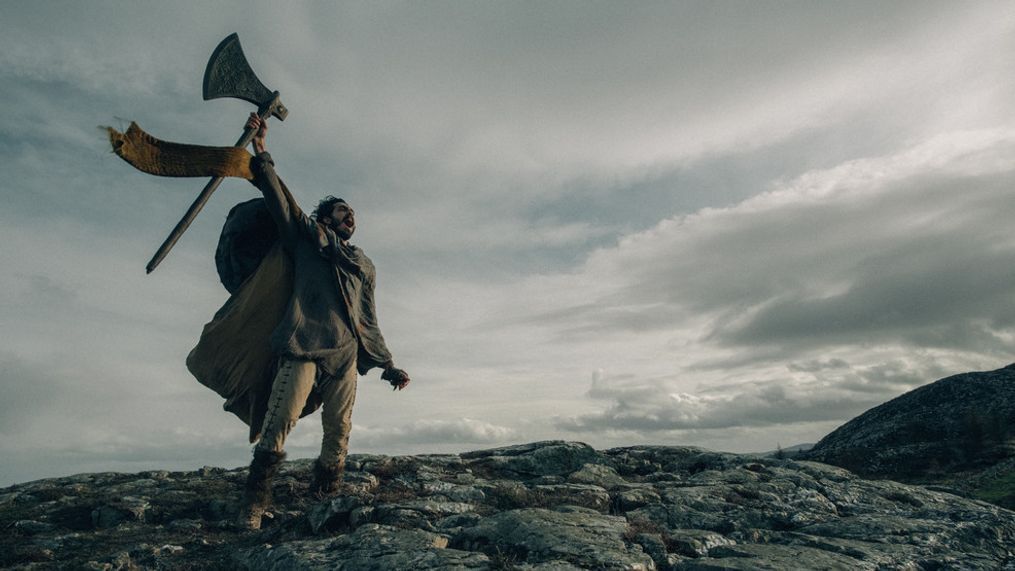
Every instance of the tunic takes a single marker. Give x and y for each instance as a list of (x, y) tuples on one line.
[(330, 317)]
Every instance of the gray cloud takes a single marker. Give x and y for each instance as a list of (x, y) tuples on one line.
[(427, 431), (917, 256), (25, 390), (816, 365), (61, 416), (647, 407)]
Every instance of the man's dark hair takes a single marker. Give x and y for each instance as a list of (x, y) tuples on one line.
[(325, 207)]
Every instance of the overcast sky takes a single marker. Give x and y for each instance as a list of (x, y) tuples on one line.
[(725, 224)]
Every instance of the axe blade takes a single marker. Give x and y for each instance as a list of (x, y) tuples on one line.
[(229, 75)]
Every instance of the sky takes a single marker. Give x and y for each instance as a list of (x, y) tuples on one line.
[(724, 224)]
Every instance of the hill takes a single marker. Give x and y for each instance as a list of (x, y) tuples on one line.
[(956, 431)]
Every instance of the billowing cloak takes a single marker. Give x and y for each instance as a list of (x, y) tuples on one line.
[(232, 357)]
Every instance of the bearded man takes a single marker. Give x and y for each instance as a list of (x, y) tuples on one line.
[(327, 334)]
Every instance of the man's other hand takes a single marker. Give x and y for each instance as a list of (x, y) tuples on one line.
[(398, 378)]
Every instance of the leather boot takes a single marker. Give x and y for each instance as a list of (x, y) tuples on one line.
[(327, 479), (257, 492)]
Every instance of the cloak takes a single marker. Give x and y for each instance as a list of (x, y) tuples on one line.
[(233, 357)]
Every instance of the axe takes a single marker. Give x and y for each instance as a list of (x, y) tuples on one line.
[(228, 75)]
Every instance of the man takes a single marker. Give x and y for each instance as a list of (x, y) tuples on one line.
[(328, 333)]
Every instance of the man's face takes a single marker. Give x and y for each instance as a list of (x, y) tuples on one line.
[(343, 220)]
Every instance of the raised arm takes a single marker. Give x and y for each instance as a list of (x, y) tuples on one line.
[(291, 221)]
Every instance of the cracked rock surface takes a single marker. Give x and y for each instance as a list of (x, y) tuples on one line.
[(544, 505)]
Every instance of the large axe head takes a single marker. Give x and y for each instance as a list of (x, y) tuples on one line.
[(229, 75)]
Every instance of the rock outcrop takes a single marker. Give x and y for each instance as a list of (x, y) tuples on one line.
[(954, 431), (546, 505)]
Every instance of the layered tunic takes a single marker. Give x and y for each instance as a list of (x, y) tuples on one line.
[(330, 317)]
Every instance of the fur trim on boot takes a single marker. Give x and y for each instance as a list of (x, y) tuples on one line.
[(257, 492), (327, 479)]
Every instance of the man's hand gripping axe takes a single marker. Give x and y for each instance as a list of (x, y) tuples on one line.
[(228, 75)]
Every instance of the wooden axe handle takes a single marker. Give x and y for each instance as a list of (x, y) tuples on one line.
[(202, 199)]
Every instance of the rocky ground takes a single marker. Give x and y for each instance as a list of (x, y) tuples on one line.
[(546, 505)]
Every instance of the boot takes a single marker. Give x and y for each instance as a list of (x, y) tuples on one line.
[(257, 492), (327, 479)]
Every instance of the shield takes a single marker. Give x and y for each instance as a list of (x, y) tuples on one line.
[(247, 236)]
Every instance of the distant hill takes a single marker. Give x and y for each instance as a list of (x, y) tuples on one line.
[(787, 451), (954, 431)]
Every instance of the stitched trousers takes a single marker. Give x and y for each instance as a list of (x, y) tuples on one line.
[(293, 383)]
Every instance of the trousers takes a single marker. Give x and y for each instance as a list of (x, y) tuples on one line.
[(289, 391)]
